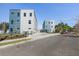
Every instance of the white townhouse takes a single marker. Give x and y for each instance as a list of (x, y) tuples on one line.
[(48, 26), (22, 20)]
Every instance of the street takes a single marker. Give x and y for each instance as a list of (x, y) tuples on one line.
[(59, 45)]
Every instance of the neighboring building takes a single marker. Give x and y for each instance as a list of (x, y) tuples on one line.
[(48, 26), (22, 20)]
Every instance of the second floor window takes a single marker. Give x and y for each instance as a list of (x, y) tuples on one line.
[(18, 14), (29, 21), (12, 21), (51, 22), (18, 20), (52, 26), (24, 14)]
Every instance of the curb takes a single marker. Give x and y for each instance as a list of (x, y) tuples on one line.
[(14, 43)]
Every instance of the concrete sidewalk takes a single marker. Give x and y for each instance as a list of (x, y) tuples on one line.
[(34, 37), (42, 35)]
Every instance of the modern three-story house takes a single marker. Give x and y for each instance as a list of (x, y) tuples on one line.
[(22, 20), (48, 26)]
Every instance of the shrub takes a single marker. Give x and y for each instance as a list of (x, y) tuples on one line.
[(10, 36)]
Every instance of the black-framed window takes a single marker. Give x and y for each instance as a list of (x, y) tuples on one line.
[(29, 22), (12, 21), (24, 14), (30, 14), (18, 28), (18, 14), (52, 26), (11, 29), (18, 20), (51, 22), (29, 28), (12, 12)]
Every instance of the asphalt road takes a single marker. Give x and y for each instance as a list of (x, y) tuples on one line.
[(60, 45)]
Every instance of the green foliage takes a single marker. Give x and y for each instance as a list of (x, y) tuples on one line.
[(61, 27), (10, 36), (4, 26)]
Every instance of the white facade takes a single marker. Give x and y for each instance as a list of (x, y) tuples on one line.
[(49, 26), (22, 20)]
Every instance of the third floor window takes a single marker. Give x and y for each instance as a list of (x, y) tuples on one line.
[(24, 14), (30, 14), (12, 13)]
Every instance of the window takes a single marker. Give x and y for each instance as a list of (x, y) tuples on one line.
[(18, 20), (11, 21), (31, 14), (12, 12), (51, 22), (24, 14), (11, 29), (18, 28), (18, 14), (29, 28), (29, 21), (52, 26)]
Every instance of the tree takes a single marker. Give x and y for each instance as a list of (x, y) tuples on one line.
[(61, 27), (0, 26), (4, 26)]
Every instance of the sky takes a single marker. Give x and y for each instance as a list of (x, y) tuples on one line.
[(59, 12)]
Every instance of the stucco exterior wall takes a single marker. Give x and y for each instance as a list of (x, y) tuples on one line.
[(22, 22)]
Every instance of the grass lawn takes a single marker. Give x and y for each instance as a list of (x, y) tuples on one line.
[(13, 42)]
